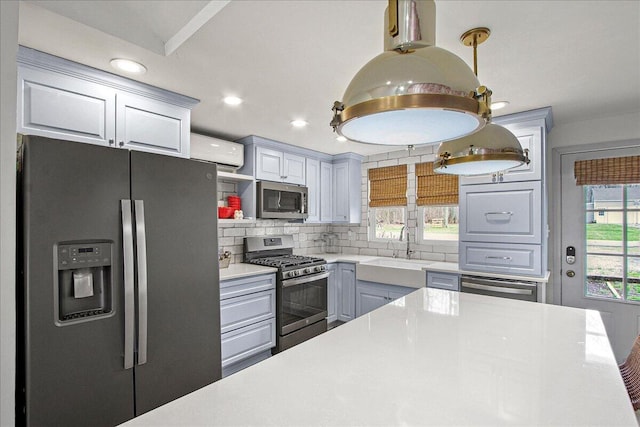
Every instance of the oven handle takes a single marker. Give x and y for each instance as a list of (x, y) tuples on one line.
[(500, 289), (305, 279)]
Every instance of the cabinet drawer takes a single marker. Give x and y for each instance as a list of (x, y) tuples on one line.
[(501, 213), (499, 258), (246, 310), (246, 285), (450, 282), (245, 342)]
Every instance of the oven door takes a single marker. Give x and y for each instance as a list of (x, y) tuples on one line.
[(302, 302)]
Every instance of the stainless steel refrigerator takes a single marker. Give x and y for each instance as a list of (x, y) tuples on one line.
[(119, 302)]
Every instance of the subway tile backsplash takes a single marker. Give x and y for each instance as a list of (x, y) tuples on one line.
[(352, 238)]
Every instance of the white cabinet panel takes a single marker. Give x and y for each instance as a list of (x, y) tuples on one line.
[(273, 165), (294, 169), (269, 164), (326, 191), (501, 213), (146, 125), (501, 258), (340, 192), (242, 343), (314, 188), (247, 309), (62, 107)]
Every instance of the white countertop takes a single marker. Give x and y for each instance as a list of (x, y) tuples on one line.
[(235, 271), (435, 266), (433, 357)]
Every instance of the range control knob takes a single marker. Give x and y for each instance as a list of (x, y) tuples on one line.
[(308, 270)]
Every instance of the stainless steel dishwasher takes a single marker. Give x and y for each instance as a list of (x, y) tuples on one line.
[(504, 288)]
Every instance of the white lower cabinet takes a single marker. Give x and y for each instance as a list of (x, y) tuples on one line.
[(247, 321), (341, 292), (346, 290), (332, 293), (447, 281), (370, 295)]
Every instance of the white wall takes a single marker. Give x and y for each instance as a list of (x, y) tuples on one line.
[(596, 131), (8, 49)]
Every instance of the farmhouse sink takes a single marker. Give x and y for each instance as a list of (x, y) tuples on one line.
[(394, 271)]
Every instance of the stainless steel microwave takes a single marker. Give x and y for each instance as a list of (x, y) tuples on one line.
[(282, 201)]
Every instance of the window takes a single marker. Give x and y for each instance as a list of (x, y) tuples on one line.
[(613, 241), (439, 223), (386, 223), (387, 202), (437, 197)]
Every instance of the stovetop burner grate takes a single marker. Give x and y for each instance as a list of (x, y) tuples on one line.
[(286, 261)]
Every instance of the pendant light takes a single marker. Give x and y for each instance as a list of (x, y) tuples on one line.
[(414, 92), (489, 150)]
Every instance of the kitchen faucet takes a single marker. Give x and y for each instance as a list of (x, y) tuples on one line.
[(402, 231)]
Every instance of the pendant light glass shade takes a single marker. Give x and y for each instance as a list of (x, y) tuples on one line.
[(489, 150), (412, 94)]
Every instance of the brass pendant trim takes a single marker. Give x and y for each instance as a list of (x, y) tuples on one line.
[(410, 101), (446, 160)]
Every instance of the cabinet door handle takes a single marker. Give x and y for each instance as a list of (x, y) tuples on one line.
[(121, 143), (111, 142)]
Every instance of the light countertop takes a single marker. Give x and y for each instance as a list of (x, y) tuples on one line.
[(435, 266), (434, 357), (235, 271)]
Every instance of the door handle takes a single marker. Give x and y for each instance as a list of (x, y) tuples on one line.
[(571, 273), (129, 298), (141, 257)]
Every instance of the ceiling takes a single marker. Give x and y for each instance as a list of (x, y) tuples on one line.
[(292, 59)]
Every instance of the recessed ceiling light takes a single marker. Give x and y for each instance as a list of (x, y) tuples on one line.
[(341, 138), (232, 100), (128, 66), (299, 123), (499, 104)]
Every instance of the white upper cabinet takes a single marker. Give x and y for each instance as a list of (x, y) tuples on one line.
[(63, 107), (66, 100), (326, 192), (347, 193), (147, 125), (313, 188), (273, 165)]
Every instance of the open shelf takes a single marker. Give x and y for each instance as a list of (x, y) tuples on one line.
[(229, 176)]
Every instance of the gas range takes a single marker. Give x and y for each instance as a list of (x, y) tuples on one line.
[(301, 288)]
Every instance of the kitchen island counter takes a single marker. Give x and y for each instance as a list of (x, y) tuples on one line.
[(434, 357)]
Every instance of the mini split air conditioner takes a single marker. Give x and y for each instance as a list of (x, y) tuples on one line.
[(229, 155)]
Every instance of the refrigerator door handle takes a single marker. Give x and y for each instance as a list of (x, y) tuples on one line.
[(129, 296), (141, 254)]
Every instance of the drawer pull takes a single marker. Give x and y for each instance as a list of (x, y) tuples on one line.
[(504, 258), (498, 213)]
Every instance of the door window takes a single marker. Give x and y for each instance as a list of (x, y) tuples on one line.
[(612, 230)]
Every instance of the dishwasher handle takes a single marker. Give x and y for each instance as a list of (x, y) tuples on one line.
[(499, 289)]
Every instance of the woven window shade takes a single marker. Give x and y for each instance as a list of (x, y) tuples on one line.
[(388, 186), (435, 188), (615, 170)]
